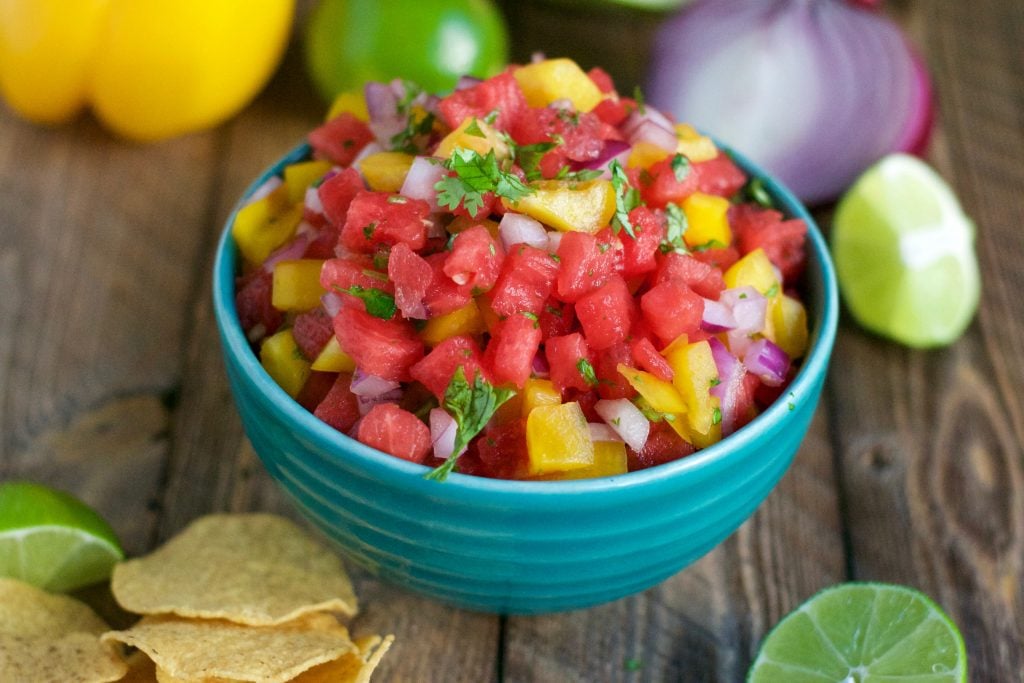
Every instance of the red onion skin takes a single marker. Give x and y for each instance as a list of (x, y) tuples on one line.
[(814, 92)]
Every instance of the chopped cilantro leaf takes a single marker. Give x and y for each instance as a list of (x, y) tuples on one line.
[(676, 225), (772, 291), (368, 230), (587, 371), (379, 303), (528, 156), (471, 406), (475, 175), (716, 416), (627, 198), (638, 96), (680, 167), (710, 244), (757, 192), (474, 129)]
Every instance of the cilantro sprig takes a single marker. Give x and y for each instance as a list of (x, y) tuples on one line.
[(378, 303), (475, 175), (627, 198), (471, 406)]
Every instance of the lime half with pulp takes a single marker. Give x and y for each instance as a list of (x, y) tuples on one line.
[(52, 540), (904, 254), (863, 633)]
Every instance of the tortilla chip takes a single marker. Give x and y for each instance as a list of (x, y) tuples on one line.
[(197, 650), (141, 669), (256, 569), (48, 637), (353, 667)]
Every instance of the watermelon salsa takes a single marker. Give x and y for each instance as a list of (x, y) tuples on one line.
[(533, 277)]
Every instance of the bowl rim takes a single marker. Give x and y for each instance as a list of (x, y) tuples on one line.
[(377, 464)]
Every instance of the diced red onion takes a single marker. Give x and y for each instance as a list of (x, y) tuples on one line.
[(423, 175), (599, 431), (626, 420), (717, 317), (638, 117), (517, 228), (730, 376), (815, 92), (540, 367), (748, 307), (290, 251), (554, 240), (382, 106), (371, 386), (767, 361), (331, 301), (655, 134), (268, 186), (443, 429), (312, 201), (613, 150)]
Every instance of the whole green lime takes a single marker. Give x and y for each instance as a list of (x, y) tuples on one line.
[(430, 42)]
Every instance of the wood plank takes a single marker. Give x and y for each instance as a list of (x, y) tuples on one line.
[(930, 442)]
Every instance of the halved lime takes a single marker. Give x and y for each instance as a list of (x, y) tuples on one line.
[(904, 254), (53, 540), (863, 633)]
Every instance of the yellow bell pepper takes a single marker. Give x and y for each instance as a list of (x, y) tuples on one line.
[(693, 145), (464, 320), (645, 155), (753, 270), (300, 176), (661, 395), (565, 205), (789, 325), (707, 220), (150, 69), (694, 373), (333, 359), (558, 439), (539, 392), (283, 361), (296, 285), (476, 135), (609, 460), (263, 225), (554, 79), (386, 171)]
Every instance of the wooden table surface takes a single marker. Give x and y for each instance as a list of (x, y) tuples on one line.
[(112, 387)]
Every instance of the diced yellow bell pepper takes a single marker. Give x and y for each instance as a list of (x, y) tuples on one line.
[(694, 373), (558, 439), (296, 285), (609, 461), (556, 79), (298, 177), (789, 323), (262, 226), (283, 361), (707, 220), (569, 206), (539, 392), (753, 270), (353, 103), (693, 145), (473, 134), (333, 359), (462, 222), (465, 320), (645, 155), (661, 395), (385, 171)]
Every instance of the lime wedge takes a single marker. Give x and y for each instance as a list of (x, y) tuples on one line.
[(863, 633), (904, 254), (53, 540)]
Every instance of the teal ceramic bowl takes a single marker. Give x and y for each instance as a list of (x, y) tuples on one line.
[(519, 547)]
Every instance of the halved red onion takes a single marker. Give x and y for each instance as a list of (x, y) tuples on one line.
[(443, 429), (371, 386), (767, 361), (516, 228), (599, 431), (423, 175), (717, 317), (626, 420)]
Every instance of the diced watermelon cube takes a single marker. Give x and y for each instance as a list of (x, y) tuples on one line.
[(586, 262), (721, 257), (312, 330), (317, 386), (337, 192), (607, 313), (339, 408), (610, 382), (719, 176), (475, 260), (557, 319), (435, 370), (500, 452), (782, 240), (411, 275), (639, 253), (340, 139), (663, 445), (663, 184), (671, 309), (699, 276), (377, 219), (386, 348), (500, 94), (256, 313), (526, 281), (443, 295), (396, 431), (647, 358), (511, 350), (568, 357)]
